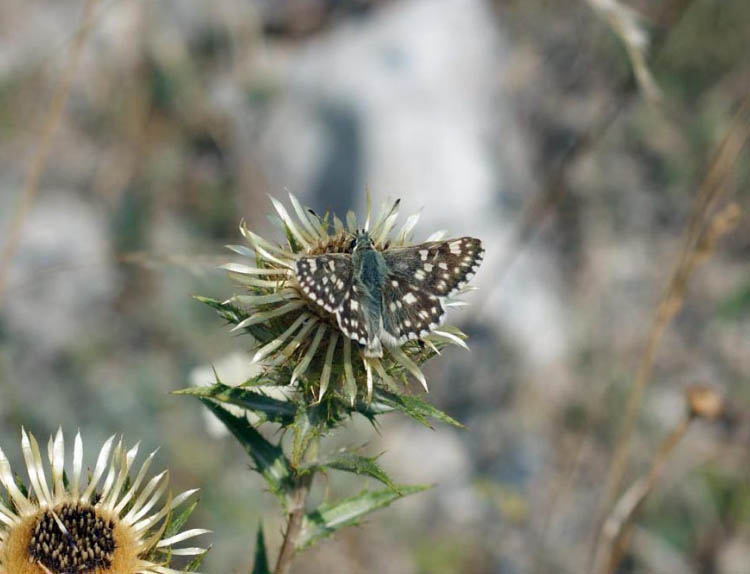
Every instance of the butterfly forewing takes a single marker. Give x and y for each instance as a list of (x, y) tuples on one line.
[(440, 267), (418, 278), (325, 279)]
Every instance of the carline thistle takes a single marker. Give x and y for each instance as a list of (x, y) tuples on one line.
[(340, 300), (391, 296)]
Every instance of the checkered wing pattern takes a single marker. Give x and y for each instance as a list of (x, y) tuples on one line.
[(418, 278), (351, 315), (325, 279), (409, 312)]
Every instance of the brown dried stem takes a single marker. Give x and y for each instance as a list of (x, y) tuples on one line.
[(699, 238), (610, 548), (297, 501)]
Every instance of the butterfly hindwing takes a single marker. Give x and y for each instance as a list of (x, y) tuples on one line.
[(440, 267), (325, 279), (351, 317), (409, 312)]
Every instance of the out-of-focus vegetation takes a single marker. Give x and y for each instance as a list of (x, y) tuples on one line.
[(519, 122)]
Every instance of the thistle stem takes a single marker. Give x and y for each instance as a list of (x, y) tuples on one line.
[(297, 501)]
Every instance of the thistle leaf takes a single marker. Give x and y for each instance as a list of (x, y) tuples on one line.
[(261, 557), (328, 518), (235, 315), (269, 458), (268, 408), (361, 465), (307, 425), (197, 561), (385, 402), (177, 522)]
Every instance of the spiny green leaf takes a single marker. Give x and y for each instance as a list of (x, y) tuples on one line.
[(261, 557), (269, 459), (177, 522), (269, 408), (328, 518), (384, 401), (197, 561), (230, 313), (358, 464), (234, 315), (264, 380)]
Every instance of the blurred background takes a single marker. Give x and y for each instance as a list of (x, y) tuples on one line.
[(135, 135)]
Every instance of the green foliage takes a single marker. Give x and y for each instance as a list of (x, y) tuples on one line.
[(736, 305), (348, 461), (267, 408), (196, 562), (234, 314), (176, 522), (330, 517), (384, 401), (269, 459), (308, 425), (260, 564)]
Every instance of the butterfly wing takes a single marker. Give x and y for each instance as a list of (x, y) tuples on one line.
[(439, 267), (325, 279), (418, 278), (351, 315), (409, 312)]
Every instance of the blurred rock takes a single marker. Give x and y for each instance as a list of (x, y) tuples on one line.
[(62, 278)]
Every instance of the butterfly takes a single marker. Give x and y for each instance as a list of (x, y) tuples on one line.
[(391, 296)]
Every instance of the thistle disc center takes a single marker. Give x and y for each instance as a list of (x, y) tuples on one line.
[(85, 544)]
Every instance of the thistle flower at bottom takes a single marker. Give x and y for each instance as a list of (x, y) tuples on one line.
[(340, 302), (120, 526)]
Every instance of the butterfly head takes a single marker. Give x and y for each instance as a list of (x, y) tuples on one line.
[(361, 241)]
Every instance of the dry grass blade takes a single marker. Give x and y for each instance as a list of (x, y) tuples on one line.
[(625, 22), (39, 161)]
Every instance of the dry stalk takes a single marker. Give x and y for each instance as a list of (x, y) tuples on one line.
[(554, 186), (625, 23), (293, 525), (699, 239), (703, 403), (39, 161), (614, 531)]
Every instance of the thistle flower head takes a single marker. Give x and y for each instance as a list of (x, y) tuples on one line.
[(119, 526), (346, 304)]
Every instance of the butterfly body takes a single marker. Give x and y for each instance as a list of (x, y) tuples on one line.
[(369, 270), (389, 296)]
